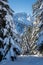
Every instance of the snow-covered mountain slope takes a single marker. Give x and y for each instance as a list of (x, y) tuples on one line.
[(24, 60), (22, 21)]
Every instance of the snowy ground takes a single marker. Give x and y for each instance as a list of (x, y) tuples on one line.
[(25, 60)]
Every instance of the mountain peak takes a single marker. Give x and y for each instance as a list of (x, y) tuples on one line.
[(21, 21)]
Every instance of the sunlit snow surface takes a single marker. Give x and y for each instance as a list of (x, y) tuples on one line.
[(25, 60)]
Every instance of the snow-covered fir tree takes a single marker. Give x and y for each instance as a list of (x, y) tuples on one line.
[(38, 14), (26, 41), (34, 37), (8, 48)]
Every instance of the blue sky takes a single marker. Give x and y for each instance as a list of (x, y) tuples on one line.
[(21, 5)]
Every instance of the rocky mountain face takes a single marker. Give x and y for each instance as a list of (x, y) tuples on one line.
[(22, 22)]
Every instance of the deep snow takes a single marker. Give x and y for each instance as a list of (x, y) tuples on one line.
[(24, 60)]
